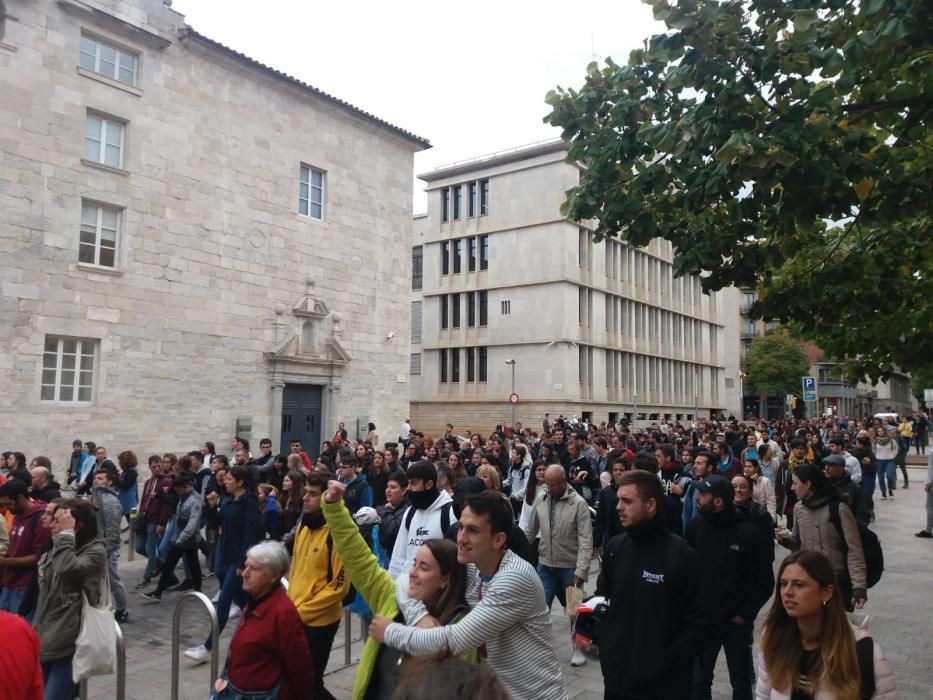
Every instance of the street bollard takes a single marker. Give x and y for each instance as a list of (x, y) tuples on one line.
[(346, 637), (121, 669)]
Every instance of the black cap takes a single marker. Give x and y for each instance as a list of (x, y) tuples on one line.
[(717, 485), (834, 460)]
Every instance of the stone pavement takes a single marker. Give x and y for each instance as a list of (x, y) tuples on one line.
[(899, 609)]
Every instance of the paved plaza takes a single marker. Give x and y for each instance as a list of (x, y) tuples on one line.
[(901, 619)]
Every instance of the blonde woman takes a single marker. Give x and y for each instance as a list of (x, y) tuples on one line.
[(489, 476)]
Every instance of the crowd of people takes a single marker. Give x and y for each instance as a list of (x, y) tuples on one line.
[(454, 547)]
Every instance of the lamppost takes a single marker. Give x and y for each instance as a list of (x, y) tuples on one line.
[(635, 409), (511, 361), (742, 376)]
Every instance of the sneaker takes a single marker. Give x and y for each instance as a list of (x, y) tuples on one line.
[(926, 534), (143, 584), (172, 581), (200, 655), (186, 585), (216, 598), (891, 494), (884, 497), (152, 597), (235, 611), (121, 616), (578, 659)]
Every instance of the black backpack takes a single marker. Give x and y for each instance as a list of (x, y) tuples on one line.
[(871, 545), (445, 517)]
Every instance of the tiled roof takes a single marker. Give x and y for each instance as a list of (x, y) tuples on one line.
[(192, 33)]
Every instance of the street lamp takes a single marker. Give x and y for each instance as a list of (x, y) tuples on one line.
[(511, 361)]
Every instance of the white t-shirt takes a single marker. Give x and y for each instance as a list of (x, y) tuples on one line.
[(405, 431)]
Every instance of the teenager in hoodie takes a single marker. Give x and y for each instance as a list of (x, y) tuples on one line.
[(109, 517), (427, 518), (358, 494)]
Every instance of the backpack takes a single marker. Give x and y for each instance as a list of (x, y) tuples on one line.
[(445, 517), (871, 545), (351, 594), (865, 651)]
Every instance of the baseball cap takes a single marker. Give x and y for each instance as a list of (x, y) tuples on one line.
[(717, 485), (834, 460)]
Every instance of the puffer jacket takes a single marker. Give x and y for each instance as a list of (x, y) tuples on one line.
[(813, 531), (570, 543), (63, 573), (885, 687), (109, 515)]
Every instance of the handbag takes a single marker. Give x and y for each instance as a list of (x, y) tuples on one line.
[(96, 645)]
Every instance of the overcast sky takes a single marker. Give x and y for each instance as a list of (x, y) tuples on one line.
[(469, 76)]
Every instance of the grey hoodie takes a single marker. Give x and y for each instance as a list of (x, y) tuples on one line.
[(109, 515), (187, 521)]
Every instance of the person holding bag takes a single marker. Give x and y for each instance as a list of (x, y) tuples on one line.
[(75, 568)]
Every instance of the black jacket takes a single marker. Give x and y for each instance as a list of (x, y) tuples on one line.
[(657, 621), (738, 576), (607, 524), (48, 493), (389, 526), (852, 495)]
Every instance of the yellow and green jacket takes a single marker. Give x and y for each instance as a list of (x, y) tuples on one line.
[(370, 580)]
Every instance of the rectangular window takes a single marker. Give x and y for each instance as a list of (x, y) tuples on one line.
[(107, 60), (103, 140), (455, 364), (100, 225), (416, 321), (445, 204), (455, 310), (445, 257), (483, 307), (458, 253), (311, 192), (483, 198), (471, 254), (417, 266), (481, 369), (506, 307), (414, 366), (484, 252), (471, 309), (443, 366), (471, 200), (68, 370), (457, 190), (471, 364), (581, 305), (443, 300)]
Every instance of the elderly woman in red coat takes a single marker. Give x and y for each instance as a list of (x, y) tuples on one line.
[(269, 650)]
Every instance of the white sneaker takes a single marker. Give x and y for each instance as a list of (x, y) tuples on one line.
[(200, 655), (215, 598), (578, 659), (235, 611)]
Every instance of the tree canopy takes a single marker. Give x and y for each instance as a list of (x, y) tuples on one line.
[(782, 145), (776, 365)]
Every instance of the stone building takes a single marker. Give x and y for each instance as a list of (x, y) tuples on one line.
[(509, 287), (194, 243)]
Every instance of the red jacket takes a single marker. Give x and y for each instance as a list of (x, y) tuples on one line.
[(270, 642), (20, 673), (158, 500)]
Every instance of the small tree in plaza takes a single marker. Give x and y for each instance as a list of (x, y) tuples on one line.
[(776, 364), (783, 146)]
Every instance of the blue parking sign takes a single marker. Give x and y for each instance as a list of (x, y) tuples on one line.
[(809, 388)]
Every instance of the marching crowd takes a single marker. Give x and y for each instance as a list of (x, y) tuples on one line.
[(455, 546)]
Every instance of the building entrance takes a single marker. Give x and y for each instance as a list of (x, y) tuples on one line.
[(301, 417)]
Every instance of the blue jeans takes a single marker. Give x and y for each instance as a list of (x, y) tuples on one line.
[(868, 487), (554, 580), (147, 545), (736, 640), (886, 475), (10, 600), (231, 586), (56, 675)]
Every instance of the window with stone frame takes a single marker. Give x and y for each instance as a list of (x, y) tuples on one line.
[(68, 369), (104, 139), (311, 192), (102, 57), (100, 233)]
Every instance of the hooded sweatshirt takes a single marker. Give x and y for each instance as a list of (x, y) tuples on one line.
[(420, 525)]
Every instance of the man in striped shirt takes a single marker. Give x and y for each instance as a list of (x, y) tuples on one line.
[(508, 619)]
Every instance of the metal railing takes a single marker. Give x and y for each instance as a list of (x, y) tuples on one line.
[(349, 641), (121, 669), (176, 638)]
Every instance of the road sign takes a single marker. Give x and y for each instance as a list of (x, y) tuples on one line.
[(513, 398), (809, 388), (928, 395), (929, 404)]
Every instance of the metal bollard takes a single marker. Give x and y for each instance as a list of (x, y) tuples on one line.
[(176, 638), (346, 637), (121, 669), (131, 540)]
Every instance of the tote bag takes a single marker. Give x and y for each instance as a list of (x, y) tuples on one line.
[(96, 645)]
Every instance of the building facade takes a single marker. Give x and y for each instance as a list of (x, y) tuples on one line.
[(195, 244), (514, 298)]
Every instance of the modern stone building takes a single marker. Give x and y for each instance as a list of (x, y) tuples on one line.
[(194, 243), (596, 330)]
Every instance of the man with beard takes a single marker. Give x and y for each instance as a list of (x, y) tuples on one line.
[(428, 517)]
